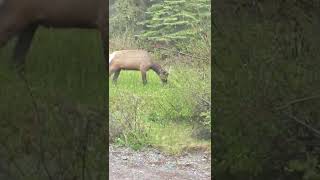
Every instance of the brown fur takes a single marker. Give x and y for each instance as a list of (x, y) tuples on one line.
[(138, 60), (22, 18)]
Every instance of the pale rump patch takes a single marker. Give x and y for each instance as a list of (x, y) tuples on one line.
[(111, 56)]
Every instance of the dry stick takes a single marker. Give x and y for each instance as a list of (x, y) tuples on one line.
[(317, 132), (297, 101), (36, 111)]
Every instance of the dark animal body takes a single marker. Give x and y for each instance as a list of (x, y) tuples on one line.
[(138, 60), (23, 17)]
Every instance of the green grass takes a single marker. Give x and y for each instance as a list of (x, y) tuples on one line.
[(173, 138), (162, 115)]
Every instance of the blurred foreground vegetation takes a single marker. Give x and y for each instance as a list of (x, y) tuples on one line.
[(66, 74), (266, 88)]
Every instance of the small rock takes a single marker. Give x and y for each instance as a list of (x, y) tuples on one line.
[(171, 166)]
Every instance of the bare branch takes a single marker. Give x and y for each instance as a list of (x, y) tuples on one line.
[(317, 132), (297, 101)]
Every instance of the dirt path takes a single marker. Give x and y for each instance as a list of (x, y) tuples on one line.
[(148, 164)]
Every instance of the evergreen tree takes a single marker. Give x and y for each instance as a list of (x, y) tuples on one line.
[(124, 14), (175, 20)]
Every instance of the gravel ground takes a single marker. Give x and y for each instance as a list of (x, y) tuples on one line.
[(148, 164)]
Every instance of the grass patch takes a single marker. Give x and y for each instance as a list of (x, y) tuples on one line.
[(173, 138), (157, 115)]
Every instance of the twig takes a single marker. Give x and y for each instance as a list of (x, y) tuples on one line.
[(297, 101), (317, 132)]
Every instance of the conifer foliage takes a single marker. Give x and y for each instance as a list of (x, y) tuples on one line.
[(124, 14), (175, 20)]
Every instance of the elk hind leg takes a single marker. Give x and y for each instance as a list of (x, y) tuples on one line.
[(20, 51), (111, 71)]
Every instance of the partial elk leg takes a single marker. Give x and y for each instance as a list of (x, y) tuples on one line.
[(116, 75), (22, 47), (5, 35), (4, 38), (19, 57), (144, 77), (9, 25), (103, 28), (104, 38), (111, 71)]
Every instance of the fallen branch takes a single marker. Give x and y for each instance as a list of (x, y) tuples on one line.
[(297, 101), (317, 132)]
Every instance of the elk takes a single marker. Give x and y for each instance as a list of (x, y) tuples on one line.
[(22, 18), (138, 60)]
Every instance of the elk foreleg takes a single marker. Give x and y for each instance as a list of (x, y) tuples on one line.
[(4, 38), (19, 56), (6, 31), (22, 47), (144, 77), (116, 75)]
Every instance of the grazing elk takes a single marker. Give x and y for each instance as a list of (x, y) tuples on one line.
[(23, 17), (138, 60)]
